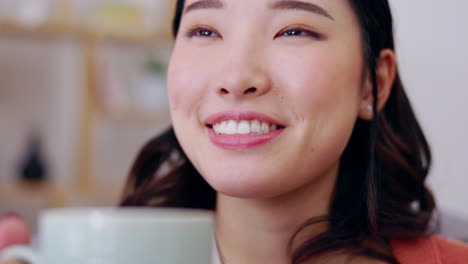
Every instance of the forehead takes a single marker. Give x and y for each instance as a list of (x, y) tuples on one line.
[(261, 2), (340, 8)]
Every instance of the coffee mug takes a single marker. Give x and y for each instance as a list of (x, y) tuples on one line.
[(120, 236)]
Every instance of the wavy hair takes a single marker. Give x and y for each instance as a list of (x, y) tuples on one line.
[(380, 194)]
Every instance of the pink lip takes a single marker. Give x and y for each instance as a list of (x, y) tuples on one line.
[(241, 142)]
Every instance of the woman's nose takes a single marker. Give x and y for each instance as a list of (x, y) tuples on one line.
[(252, 87), (243, 78)]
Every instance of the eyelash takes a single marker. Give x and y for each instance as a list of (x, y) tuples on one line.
[(201, 31), (197, 32), (293, 31)]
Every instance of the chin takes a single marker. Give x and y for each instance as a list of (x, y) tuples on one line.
[(244, 184), (244, 192)]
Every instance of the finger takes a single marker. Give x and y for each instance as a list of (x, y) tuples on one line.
[(13, 231)]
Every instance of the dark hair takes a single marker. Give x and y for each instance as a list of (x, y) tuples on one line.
[(380, 194)]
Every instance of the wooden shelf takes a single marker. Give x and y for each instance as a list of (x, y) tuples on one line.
[(29, 199), (48, 30), (63, 25), (57, 30), (135, 116)]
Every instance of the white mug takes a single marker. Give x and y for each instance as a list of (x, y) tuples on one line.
[(120, 236)]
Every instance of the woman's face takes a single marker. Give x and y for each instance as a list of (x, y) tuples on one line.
[(264, 94)]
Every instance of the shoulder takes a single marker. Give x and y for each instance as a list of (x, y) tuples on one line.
[(431, 250)]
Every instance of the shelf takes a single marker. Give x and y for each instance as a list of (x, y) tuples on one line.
[(57, 30), (29, 199), (48, 30), (90, 41), (139, 117)]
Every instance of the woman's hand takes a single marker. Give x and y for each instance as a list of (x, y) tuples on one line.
[(13, 231)]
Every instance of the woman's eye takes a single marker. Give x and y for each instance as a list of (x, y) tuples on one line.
[(202, 32), (299, 33)]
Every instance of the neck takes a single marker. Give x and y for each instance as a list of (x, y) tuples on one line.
[(260, 230)]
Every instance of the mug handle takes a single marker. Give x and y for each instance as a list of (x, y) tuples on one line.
[(22, 253)]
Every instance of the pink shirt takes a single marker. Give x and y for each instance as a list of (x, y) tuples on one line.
[(431, 250)]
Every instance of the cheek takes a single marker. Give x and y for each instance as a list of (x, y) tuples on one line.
[(186, 82), (322, 88), (180, 94), (320, 79)]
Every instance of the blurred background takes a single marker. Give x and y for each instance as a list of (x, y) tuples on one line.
[(82, 88)]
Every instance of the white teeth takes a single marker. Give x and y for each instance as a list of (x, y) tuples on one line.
[(223, 126), (216, 128), (231, 128), (265, 127), (256, 127), (243, 127)]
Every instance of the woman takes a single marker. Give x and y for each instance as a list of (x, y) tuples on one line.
[(290, 120)]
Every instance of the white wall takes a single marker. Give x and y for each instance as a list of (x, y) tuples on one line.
[(432, 45)]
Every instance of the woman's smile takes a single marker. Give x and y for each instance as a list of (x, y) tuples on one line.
[(240, 130)]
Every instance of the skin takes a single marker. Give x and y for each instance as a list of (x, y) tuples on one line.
[(242, 57)]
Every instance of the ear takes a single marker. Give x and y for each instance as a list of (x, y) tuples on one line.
[(386, 71)]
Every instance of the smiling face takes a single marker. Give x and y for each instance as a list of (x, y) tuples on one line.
[(264, 94)]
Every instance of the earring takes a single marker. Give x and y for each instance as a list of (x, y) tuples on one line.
[(369, 108)]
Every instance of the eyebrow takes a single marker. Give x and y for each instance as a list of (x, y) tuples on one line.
[(299, 5), (204, 4), (279, 5)]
